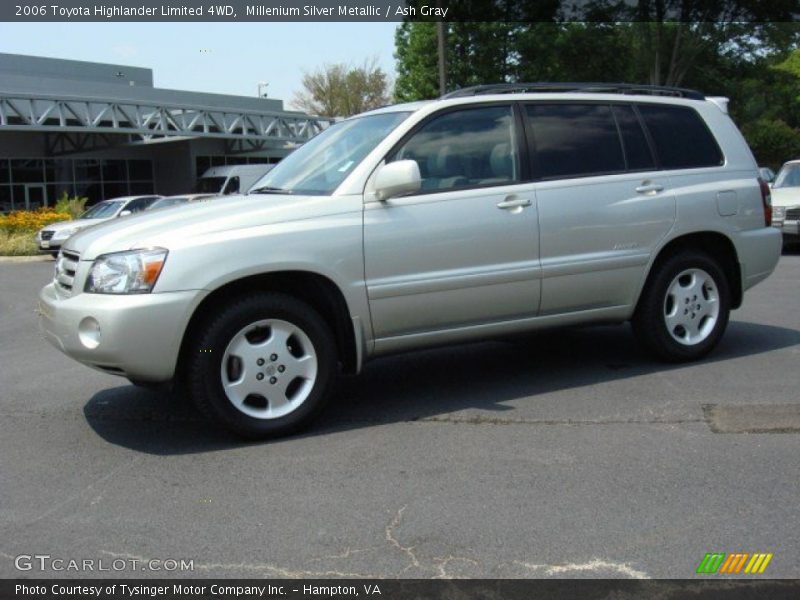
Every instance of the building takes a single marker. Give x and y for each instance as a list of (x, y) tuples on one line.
[(103, 130)]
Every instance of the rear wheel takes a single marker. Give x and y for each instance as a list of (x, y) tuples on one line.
[(684, 309), (264, 366)]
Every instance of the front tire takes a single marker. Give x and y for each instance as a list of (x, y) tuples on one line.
[(684, 308), (264, 366)]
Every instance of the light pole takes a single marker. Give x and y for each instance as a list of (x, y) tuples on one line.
[(441, 42), (264, 85)]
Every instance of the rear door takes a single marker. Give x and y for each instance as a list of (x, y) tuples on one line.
[(603, 204)]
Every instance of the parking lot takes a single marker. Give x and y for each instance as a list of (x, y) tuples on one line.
[(566, 454)]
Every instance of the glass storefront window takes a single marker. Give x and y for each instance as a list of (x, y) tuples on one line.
[(93, 178), (6, 203), (114, 189), (140, 188), (140, 170), (27, 170), (87, 170), (114, 170)]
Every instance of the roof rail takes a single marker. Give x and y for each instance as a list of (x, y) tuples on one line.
[(587, 88)]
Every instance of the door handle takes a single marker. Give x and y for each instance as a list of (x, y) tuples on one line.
[(511, 202), (649, 188)]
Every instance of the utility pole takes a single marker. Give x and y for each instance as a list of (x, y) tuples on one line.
[(441, 37)]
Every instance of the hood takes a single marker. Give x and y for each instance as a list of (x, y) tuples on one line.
[(188, 224), (82, 223), (788, 196)]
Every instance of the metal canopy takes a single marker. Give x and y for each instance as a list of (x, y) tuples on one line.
[(146, 122)]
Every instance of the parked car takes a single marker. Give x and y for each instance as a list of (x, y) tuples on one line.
[(786, 201), (492, 211), (168, 201), (231, 179), (51, 237)]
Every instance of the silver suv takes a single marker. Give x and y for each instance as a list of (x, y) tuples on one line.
[(493, 210)]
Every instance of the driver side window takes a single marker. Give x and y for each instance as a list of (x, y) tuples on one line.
[(463, 149), (232, 187)]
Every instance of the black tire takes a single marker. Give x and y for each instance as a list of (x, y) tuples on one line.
[(54, 255), (204, 364), (649, 322)]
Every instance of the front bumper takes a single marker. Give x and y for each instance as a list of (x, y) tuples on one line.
[(140, 335), (51, 245), (788, 228)]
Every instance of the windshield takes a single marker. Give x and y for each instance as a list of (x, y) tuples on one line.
[(788, 177), (102, 210), (321, 164), (209, 185)]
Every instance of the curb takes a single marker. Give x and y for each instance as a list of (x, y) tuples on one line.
[(24, 259)]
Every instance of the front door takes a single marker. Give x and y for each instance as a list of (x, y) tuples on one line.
[(35, 196), (463, 251)]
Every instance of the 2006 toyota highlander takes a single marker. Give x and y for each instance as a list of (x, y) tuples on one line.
[(492, 210)]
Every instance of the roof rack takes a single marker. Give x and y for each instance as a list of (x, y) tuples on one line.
[(587, 88)]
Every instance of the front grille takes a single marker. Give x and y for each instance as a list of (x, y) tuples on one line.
[(793, 214), (46, 235), (66, 265)]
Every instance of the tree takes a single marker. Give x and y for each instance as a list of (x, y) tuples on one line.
[(415, 53), (341, 90)]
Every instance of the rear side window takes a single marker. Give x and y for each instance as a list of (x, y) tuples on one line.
[(139, 204), (574, 140), (681, 138), (638, 156)]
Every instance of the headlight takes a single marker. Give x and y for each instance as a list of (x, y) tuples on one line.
[(65, 233), (778, 212), (133, 272)]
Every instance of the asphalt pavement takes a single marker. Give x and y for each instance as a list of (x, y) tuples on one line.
[(565, 454)]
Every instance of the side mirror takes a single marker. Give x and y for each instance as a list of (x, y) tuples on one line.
[(397, 179), (125, 213)]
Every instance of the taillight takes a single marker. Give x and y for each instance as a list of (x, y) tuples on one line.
[(766, 201)]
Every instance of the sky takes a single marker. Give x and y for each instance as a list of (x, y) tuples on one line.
[(226, 58)]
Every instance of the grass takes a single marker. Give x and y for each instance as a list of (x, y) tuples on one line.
[(18, 244)]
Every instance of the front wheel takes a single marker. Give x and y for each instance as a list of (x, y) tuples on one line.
[(264, 366), (684, 309)]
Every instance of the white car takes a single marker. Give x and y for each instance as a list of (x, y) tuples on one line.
[(786, 201), (169, 201), (50, 238)]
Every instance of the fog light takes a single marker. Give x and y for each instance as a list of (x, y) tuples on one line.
[(89, 332)]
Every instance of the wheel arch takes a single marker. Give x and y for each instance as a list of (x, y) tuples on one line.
[(715, 244), (319, 291)]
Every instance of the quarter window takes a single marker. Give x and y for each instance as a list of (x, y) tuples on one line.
[(681, 138), (574, 140), (465, 148)]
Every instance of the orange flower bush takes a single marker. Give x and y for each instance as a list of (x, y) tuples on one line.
[(30, 221)]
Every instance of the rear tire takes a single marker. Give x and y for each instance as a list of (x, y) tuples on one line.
[(684, 308), (263, 367)]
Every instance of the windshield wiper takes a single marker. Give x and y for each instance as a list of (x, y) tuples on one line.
[(270, 190)]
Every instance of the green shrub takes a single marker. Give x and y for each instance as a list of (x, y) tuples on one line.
[(74, 207), (17, 244)]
